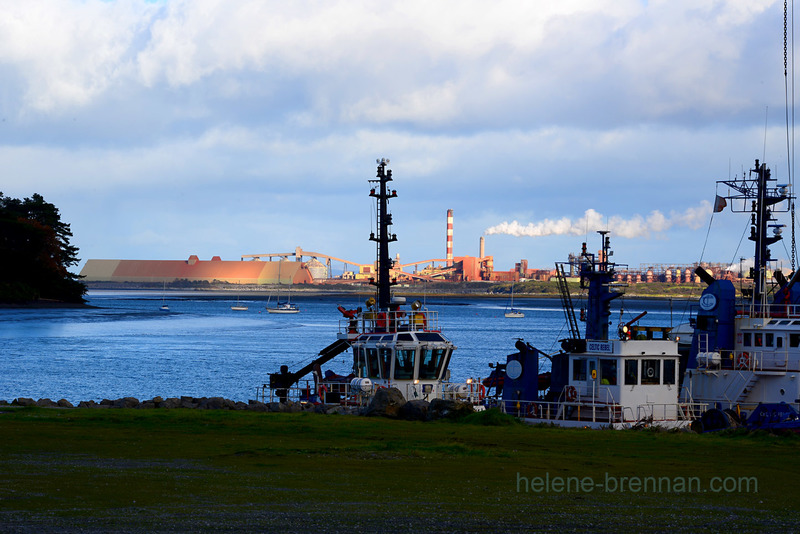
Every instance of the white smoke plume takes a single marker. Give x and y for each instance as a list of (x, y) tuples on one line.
[(744, 266), (636, 226)]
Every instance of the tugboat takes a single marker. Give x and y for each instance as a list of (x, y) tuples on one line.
[(596, 381), (392, 347), (744, 360)]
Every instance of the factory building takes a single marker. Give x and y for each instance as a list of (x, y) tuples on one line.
[(305, 267), (197, 270)]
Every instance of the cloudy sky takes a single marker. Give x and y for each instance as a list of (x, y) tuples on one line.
[(209, 127)]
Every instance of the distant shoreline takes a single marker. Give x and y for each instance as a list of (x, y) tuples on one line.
[(349, 291), (43, 304)]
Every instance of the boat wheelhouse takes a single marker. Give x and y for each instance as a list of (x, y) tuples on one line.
[(406, 351)]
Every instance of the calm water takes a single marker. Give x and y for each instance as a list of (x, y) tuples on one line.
[(126, 346)]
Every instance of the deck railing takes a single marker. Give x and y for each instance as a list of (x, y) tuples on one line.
[(390, 322), (334, 392), (604, 413)]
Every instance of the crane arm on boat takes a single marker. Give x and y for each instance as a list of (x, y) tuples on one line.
[(285, 379)]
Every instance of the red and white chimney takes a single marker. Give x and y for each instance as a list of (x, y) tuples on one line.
[(449, 256)]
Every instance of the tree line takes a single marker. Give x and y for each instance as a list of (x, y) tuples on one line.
[(35, 253)]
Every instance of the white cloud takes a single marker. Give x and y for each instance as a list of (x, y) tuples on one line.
[(417, 61), (499, 111), (68, 52)]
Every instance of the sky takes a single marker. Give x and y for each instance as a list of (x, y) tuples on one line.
[(170, 128)]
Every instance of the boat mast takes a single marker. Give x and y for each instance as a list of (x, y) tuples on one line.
[(384, 237), (598, 274), (762, 197)]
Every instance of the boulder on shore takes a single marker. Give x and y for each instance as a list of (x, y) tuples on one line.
[(257, 406), (415, 410), (126, 402), (172, 402), (213, 403), (441, 408), (386, 402)]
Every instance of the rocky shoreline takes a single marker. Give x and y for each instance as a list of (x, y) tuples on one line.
[(387, 402)]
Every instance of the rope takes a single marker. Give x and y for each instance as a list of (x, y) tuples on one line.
[(789, 142), (702, 254), (741, 239)]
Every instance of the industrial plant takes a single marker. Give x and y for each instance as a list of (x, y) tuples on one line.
[(305, 267)]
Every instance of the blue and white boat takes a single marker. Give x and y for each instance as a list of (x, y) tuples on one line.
[(595, 381), (744, 359)]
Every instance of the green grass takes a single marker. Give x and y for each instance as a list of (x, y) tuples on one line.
[(150, 470)]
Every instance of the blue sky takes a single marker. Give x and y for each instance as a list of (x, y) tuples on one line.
[(226, 128)]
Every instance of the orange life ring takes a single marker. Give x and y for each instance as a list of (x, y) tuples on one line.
[(481, 392), (533, 410), (321, 390), (571, 393), (381, 321), (743, 361)]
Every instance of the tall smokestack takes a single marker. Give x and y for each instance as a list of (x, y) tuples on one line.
[(449, 256), (481, 249)]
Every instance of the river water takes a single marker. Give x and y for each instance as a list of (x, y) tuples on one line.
[(126, 346)]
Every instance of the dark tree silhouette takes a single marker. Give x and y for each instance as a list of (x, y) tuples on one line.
[(35, 253)]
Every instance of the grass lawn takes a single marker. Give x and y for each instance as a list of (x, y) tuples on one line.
[(196, 470)]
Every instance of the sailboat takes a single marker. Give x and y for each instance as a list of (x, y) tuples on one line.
[(164, 306), (238, 306), (511, 311), (282, 307)]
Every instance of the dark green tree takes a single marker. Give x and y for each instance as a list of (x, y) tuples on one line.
[(36, 252)]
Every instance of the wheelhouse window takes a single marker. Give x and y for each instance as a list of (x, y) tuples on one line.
[(794, 340), (707, 322), (361, 362), (579, 369), (770, 339), (631, 372), (759, 339), (651, 372), (430, 363), (373, 365), (386, 361), (748, 341), (779, 342), (669, 372), (608, 372), (404, 364)]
